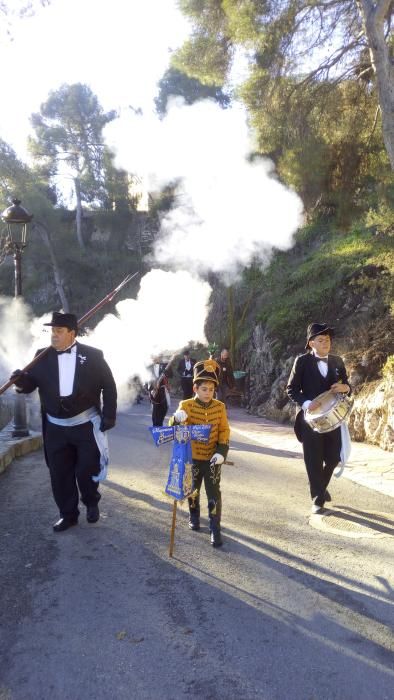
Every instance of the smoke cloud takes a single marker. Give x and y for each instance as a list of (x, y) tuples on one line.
[(228, 213), (168, 314), (20, 333), (229, 210)]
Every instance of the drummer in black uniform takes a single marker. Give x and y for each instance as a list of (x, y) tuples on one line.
[(313, 373)]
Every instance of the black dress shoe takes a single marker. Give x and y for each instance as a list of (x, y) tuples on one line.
[(92, 514), (64, 524)]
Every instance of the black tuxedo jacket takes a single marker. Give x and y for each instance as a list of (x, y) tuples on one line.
[(94, 384), (306, 382), (182, 368)]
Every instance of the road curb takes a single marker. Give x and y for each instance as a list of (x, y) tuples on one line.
[(11, 448)]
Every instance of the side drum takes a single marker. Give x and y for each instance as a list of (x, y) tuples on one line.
[(329, 412)]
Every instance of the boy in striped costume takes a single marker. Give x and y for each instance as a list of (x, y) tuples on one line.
[(207, 457)]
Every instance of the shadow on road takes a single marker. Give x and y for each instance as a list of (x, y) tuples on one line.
[(258, 449)]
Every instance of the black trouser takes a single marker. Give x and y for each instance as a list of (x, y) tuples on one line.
[(187, 387), (321, 456), (222, 392), (211, 476), (159, 411), (73, 458)]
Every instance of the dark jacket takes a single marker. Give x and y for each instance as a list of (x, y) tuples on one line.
[(158, 385), (182, 371), (306, 382), (226, 375), (94, 384)]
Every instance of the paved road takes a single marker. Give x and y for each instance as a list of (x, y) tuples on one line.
[(291, 607), (368, 465)]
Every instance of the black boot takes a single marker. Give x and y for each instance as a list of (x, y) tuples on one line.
[(215, 513), (194, 513)]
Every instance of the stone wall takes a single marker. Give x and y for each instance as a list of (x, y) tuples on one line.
[(372, 417)]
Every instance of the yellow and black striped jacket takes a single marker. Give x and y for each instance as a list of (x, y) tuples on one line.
[(213, 413)]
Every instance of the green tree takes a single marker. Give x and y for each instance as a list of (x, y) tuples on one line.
[(327, 149), (313, 42), (176, 83), (13, 173), (18, 180), (68, 134)]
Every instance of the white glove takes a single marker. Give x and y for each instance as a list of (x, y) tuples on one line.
[(180, 416), (217, 458)]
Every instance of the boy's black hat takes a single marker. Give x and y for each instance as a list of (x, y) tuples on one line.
[(206, 370), (69, 321), (315, 329)]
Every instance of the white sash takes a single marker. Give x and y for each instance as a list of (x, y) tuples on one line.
[(92, 415), (346, 447)]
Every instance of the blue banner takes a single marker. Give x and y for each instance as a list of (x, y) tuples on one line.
[(179, 482), (162, 435), (200, 433), (180, 477)]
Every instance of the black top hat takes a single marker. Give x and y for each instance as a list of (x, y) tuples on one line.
[(315, 329), (69, 321), (206, 370)]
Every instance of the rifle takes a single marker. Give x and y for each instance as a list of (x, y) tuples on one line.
[(82, 320)]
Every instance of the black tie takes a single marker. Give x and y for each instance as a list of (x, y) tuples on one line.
[(321, 359), (61, 352)]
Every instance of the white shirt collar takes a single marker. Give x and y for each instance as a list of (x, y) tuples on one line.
[(318, 357)]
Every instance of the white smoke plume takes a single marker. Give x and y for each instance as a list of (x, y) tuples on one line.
[(168, 314), (21, 334), (229, 211)]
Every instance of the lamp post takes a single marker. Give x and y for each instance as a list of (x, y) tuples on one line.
[(16, 219)]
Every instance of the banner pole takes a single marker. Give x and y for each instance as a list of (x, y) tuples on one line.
[(173, 527)]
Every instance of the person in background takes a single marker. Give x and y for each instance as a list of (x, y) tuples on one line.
[(136, 389), (185, 371), (313, 373), (78, 403), (207, 457), (159, 391), (226, 376)]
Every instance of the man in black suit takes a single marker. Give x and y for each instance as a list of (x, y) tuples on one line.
[(226, 376), (313, 373), (78, 403), (185, 371)]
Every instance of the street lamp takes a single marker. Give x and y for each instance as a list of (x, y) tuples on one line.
[(16, 219)]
